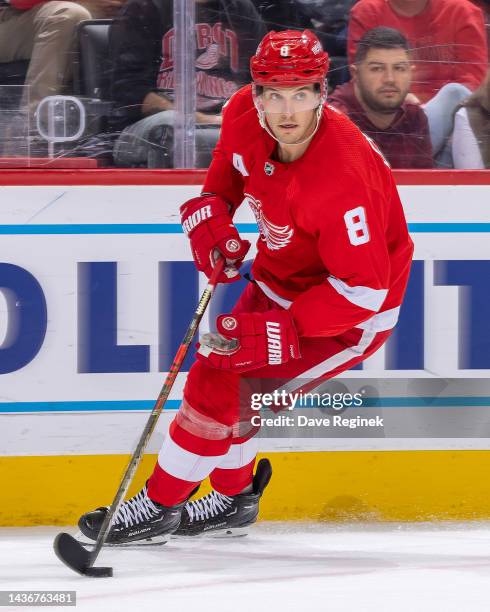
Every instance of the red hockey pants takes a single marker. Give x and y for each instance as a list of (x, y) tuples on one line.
[(204, 438)]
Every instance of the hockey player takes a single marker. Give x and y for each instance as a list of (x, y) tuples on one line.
[(329, 278)]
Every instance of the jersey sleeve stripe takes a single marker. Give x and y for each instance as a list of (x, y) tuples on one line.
[(273, 296), (382, 321), (364, 297)]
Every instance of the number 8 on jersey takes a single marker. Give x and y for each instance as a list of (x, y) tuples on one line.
[(357, 227)]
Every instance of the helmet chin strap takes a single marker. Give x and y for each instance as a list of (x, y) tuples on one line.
[(263, 123)]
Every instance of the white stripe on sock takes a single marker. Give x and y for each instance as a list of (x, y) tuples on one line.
[(183, 464), (239, 455)]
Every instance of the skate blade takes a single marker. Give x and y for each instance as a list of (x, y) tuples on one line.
[(218, 534), (154, 541), (232, 532)]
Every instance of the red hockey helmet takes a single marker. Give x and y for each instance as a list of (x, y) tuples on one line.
[(290, 58)]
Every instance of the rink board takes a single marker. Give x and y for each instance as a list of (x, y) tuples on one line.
[(322, 486), (73, 399)]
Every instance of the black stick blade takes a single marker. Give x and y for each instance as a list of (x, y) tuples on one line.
[(77, 558)]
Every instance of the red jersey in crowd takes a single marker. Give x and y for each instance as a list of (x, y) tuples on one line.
[(333, 246), (405, 143), (448, 39), (25, 5)]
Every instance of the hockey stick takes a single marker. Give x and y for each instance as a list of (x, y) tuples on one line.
[(70, 551)]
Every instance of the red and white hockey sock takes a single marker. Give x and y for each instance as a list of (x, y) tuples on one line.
[(193, 448), (234, 473)]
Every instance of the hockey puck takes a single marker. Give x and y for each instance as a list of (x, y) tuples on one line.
[(98, 572)]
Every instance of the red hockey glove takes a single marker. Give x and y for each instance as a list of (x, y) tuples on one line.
[(207, 222), (250, 340)]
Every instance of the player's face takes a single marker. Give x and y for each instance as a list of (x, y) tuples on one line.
[(383, 79), (290, 111)]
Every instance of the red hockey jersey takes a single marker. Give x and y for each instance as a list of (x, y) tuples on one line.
[(334, 246)]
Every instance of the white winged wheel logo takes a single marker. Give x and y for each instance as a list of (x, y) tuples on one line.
[(275, 236)]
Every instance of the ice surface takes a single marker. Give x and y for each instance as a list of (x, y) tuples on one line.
[(278, 567)]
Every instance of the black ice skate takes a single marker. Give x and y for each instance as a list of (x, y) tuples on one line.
[(138, 519), (219, 515)]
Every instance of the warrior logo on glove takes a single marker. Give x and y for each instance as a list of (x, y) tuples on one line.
[(233, 246), (274, 342), (201, 214), (229, 323), (207, 222), (250, 340)]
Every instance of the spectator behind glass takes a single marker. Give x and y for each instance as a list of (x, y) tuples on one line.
[(44, 33), (375, 99), (471, 139), (485, 7), (447, 38), (449, 47), (327, 18), (281, 14), (141, 47)]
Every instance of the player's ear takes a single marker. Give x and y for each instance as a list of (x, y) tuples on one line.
[(353, 71)]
